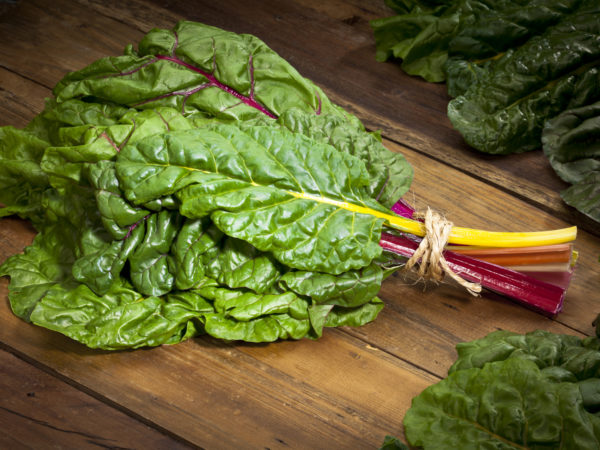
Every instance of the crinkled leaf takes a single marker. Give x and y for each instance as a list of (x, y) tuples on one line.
[(72, 113), (505, 111), (390, 174), (585, 196), (350, 289), (201, 68), (22, 182), (101, 266), (262, 329), (87, 144), (392, 443), (244, 305), (572, 143), (506, 404), (196, 238), (507, 100), (148, 262), (419, 36), (117, 214), (121, 318), (279, 191), (71, 203), (354, 317), (474, 50), (238, 264), (545, 349), (44, 264)]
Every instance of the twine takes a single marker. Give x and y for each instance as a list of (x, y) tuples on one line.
[(429, 255)]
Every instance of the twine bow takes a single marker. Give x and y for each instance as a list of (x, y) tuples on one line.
[(429, 256)]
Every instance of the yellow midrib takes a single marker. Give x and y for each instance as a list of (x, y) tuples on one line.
[(458, 235)]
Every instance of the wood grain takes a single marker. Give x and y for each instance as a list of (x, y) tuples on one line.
[(37, 408), (346, 390), (298, 394)]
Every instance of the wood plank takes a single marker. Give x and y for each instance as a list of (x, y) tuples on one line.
[(20, 99), (304, 394), (43, 41), (353, 386), (37, 408)]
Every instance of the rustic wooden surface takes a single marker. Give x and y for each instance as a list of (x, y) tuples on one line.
[(353, 386)]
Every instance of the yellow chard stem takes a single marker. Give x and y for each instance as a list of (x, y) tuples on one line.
[(469, 236), (458, 235)]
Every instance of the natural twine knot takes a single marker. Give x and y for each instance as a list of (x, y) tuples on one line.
[(429, 255)]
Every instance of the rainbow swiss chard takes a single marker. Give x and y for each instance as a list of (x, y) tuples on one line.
[(197, 185), (141, 171)]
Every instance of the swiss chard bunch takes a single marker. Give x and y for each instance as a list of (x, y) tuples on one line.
[(196, 185), (511, 65)]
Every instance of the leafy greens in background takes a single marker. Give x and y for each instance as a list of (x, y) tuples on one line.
[(572, 144), (178, 189), (512, 391), (510, 66)]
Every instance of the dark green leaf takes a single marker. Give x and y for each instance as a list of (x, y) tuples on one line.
[(545, 349), (121, 318), (349, 289), (506, 404), (277, 190), (392, 443), (572, 143), (148, 262)]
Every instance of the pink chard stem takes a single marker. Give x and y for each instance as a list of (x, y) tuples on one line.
[(535, 293)]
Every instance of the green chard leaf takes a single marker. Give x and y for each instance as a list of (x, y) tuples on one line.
[(22, 182), (507, 404), (44, 264), (277, 190), (176, 185), (547, 350), (585, 196), (513, 391), (121, 318), (201, 66), (504, 111), (572, 144), (390, 174), (511, 66), (349, 289)]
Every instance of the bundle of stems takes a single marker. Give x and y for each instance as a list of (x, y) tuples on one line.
[(532, 268)]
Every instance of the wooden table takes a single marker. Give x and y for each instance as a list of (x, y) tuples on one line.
[(346, 390)]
